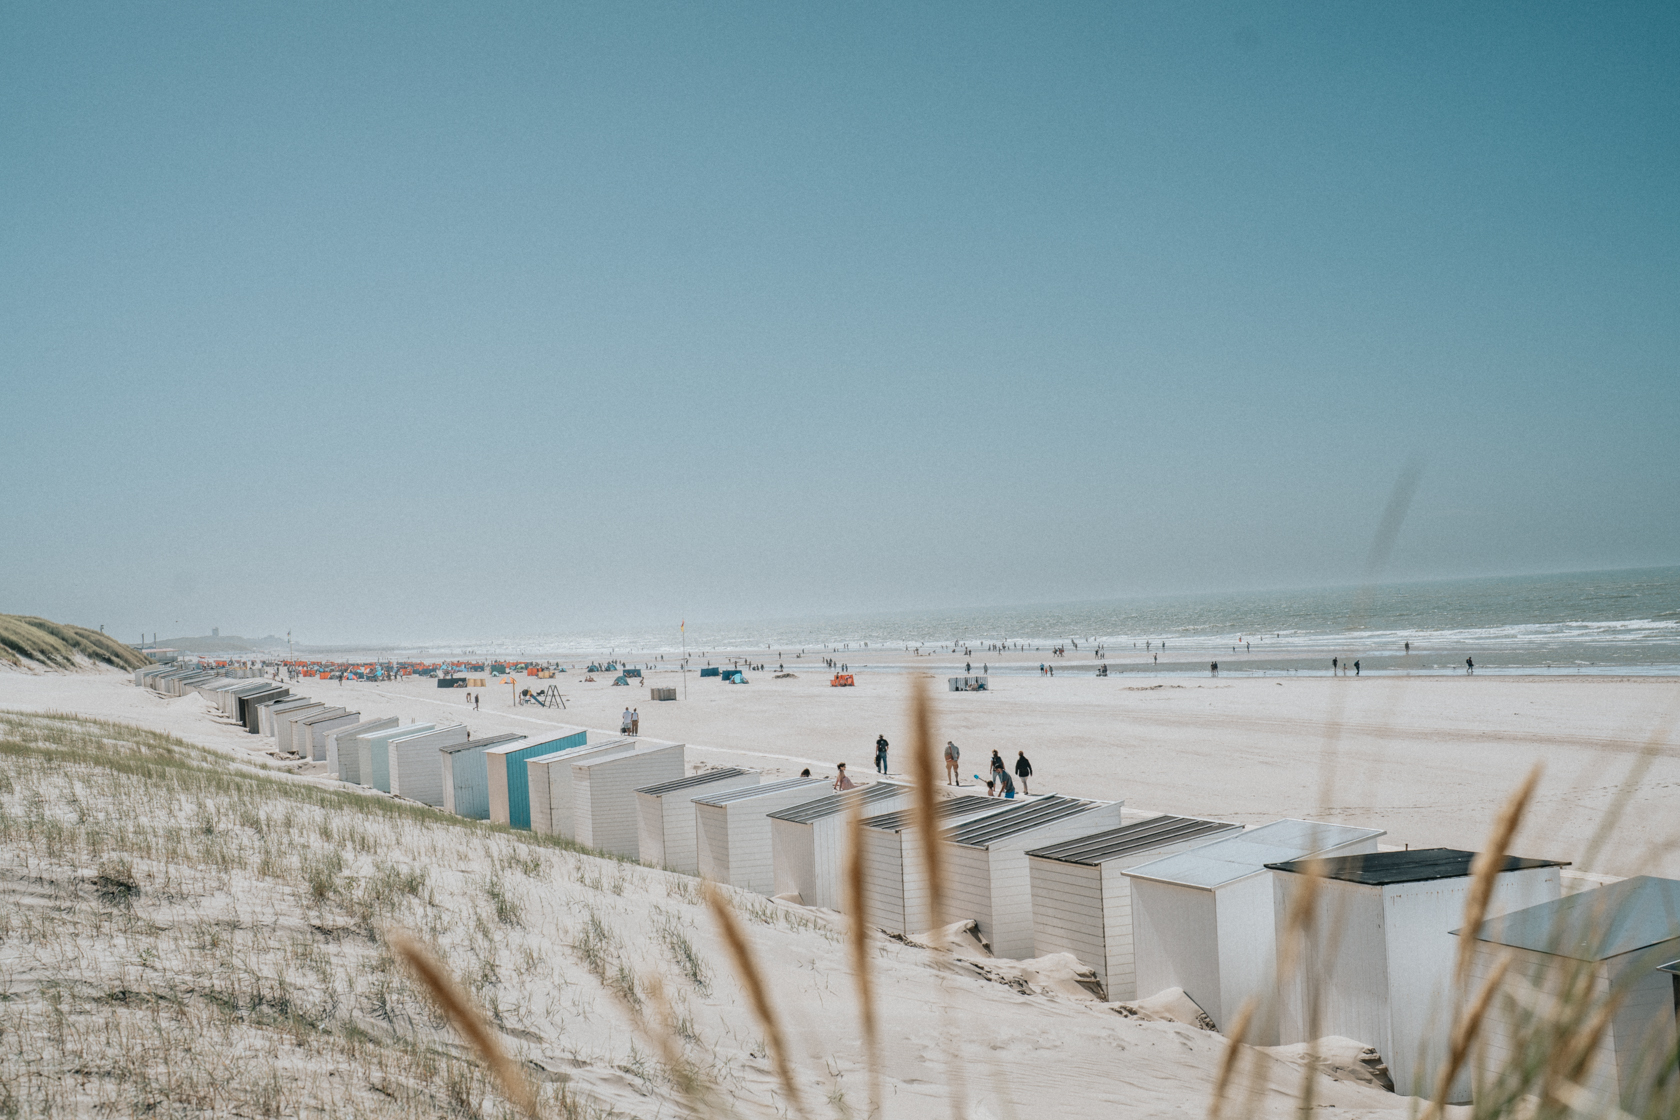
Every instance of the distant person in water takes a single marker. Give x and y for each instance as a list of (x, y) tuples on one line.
[(1215, 668), (1469, 664), (1333, 666), (1356, 668)]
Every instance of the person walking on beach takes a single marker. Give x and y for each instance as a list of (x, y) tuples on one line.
[(881, 753), (1356, 668), (842, 782), (476, 697), (1333, 666), (1469, 665), (1023, 770), (952, 754), (635, 721), (1215, 668), (624, 723)]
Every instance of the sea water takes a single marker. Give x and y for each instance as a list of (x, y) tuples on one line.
[(1580, 622)]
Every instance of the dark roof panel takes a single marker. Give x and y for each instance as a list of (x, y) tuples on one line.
[(704, 778), (1417, 865), (1134, 838), (960, 806), (1015, 819), (839, 801)]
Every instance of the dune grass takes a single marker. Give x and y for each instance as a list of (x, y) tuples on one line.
[(24, 638)]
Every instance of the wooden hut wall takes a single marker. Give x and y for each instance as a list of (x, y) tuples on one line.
[(509, 780), (415, 772), (666, 837), (604, 795), (550, 778), (342, 760)]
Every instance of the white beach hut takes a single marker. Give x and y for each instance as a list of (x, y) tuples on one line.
[(509, 781), (549, 779), (413, 759), (1613, 946), (665, 813), (808, 841), (311, 732), (895, 878), (288, 738), (250, 706), (732, 831), (466, 779), (301, 738), (373, 754), (285, 714), (342, 761), (986, 861), (268, 715), (1377, 955), (1203, 920), (1082, 900), (604, 794)]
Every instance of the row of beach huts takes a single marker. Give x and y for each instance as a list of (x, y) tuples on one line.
[(1148, 902)]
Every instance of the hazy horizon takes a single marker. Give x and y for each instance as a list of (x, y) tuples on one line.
[(510, 319), (705, 630)]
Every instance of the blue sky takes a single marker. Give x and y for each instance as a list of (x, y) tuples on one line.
[(425, 320)]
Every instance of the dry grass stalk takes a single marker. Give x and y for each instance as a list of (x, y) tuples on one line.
[(1484, 869), (1299, 930), (1464, 1037), (697, 1092), (857, 905), (467, 1020), (758, 993), (924, 769), (1233, 1051)]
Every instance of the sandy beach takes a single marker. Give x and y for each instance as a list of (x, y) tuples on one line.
[(1428, 759)]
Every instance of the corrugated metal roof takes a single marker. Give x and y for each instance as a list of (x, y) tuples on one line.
[(1017, 818), (839, 801), (590, 748), (1131, 839), (704, 778), (505, 747), (330, 713), (1418, 865), (1671, 966), (1594, 925), (742, 793), (961, 806), (421, 730), (482, 744), (1237, 857)]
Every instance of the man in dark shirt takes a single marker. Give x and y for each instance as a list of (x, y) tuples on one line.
[(1023, 770)]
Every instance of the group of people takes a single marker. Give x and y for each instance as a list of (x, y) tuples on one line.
[(999, 784), (630, 723)]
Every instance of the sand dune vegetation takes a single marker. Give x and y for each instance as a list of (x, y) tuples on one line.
[(187, 933), (24, 638)]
